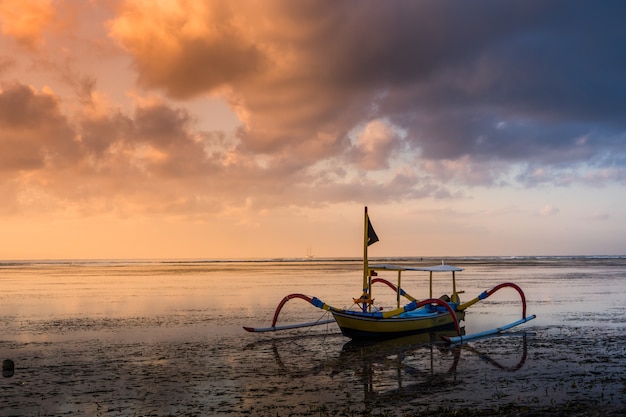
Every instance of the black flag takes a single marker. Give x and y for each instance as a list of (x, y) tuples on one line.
[(371, 234)]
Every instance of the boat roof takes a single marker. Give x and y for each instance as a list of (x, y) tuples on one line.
[(437, 268)]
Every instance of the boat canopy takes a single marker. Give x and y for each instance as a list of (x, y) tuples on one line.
[(436, 268)]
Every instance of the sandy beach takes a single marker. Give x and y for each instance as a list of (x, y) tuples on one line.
[(84, 344)]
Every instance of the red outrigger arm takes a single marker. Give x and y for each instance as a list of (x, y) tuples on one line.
[(394, 288), (273, 327), (284, 301), (487, 293), (482, 296)]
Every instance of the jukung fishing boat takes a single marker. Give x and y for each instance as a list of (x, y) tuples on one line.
[(364, 320)]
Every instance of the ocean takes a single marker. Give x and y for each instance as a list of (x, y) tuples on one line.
[(165, 337)]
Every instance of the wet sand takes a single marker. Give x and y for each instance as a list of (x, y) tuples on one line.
[(574, 371), (189, 359)]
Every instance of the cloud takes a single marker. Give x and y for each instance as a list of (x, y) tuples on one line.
[(26, 20), (487, 81), (187, 47), (374, 145), (33, 131), (99, 156), (153, 160), (338, 99), (599, 215), (5, 64), (549, 210)]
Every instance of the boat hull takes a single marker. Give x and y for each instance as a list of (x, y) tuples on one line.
[(363, 327)]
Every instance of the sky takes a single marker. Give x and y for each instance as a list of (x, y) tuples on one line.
[(261, 129)]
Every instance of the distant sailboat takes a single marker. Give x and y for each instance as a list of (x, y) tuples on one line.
[(309, 254)]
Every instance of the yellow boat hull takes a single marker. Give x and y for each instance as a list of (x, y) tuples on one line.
[(363, 327)]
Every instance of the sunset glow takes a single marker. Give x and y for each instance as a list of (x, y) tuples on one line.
[(185, 129)]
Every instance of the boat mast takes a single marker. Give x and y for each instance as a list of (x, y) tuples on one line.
[(366, 287), (369, 237)]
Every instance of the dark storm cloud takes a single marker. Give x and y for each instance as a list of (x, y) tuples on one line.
[(530, 91), (515, 81)]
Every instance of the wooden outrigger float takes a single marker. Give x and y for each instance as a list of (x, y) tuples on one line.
[(417, 316)]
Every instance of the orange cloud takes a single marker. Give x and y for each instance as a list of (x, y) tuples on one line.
[(187, 48), (107, 161), (26, 20), (272, 62)]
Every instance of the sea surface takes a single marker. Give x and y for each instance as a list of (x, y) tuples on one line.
[(165, 337)]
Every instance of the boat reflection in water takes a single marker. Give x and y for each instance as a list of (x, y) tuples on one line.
[(411, 367), (394, 369), (415, 368)]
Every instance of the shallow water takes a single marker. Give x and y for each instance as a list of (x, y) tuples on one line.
[(166, 338)]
